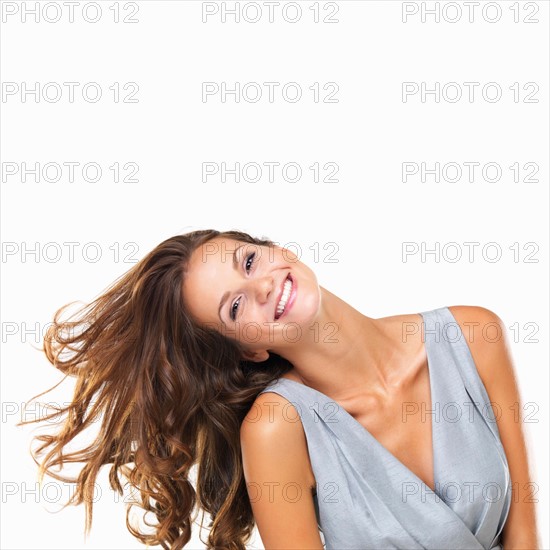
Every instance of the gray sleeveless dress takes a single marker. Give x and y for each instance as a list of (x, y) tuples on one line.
[(367, 499)]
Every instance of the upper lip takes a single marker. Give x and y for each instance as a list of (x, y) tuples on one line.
[(280, 294)]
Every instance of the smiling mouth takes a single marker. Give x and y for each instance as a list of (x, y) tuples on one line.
[(285, 297)]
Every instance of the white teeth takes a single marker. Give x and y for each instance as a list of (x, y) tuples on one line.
[(285, 296)]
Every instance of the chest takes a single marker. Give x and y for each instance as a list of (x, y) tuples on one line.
[(402, 424)]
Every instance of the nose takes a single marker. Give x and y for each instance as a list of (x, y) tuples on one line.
[(262, 287)]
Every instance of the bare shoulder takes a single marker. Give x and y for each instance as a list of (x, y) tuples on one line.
[(471, 315), (485, 333), (483, 330), (273, 426), (278, 474), (269, 415)]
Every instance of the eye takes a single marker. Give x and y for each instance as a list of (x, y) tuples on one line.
[(233, 310), (250, 259)]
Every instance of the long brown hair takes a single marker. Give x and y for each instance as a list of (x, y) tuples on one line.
[(170, 393)]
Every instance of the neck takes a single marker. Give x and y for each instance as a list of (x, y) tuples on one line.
[(341, 351)]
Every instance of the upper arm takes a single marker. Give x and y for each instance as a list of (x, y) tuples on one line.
[(492, 356), (277, 474)]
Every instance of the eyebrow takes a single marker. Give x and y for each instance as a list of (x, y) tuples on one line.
[(226, 294)]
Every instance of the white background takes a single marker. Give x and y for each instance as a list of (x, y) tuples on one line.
[(368, 213)]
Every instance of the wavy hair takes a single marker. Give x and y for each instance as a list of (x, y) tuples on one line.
[(168, 394)]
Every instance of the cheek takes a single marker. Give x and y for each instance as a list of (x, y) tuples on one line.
[(256, 315)]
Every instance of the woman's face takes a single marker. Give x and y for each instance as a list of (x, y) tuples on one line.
[(239, 289)]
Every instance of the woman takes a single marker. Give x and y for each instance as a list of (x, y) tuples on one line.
[(189, 356)]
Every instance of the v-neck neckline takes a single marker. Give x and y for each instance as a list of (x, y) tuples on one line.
[(357, 424)]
